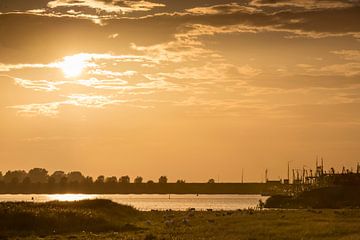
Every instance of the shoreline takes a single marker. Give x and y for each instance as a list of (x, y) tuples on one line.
[(134, 188), (148, 202)]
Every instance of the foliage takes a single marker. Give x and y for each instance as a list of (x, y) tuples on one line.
[(233, 225), (163, 179), (138, 179), (211, 180), (124, 179), (326, 197), (64, 217)]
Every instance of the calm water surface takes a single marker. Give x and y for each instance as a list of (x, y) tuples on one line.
[(147, 202)]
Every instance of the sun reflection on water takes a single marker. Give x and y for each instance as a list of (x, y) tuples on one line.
[(70, 197)]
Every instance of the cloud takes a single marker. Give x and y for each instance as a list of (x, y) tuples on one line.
[(199, 30), (113, 36), (39, 85), (10, 67), (306, 4), (222, 9), (178, 50), (50, 86), (90, 101), (186, 45), (111, 84), (37, 11), (342, 69), (157, 84), (81, 60), (122, 86), (93, 10), (116, 6), (51, 109), (352, 55), (314, 23), (70, 14), (108, 73), (185, 52), (96, 74), (213, 71), (346, 69), (35, 109), (302, 80)]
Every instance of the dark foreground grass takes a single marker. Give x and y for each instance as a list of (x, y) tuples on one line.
[(24, 218), (106, 220), (333, 197)]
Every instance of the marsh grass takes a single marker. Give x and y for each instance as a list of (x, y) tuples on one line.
[(102, 219), (22, 218)]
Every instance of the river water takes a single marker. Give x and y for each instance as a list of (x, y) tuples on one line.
[(147, 202)]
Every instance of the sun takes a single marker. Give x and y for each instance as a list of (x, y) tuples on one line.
[(73, 66)]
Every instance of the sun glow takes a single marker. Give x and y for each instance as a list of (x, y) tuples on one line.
[(73, 66), (70, 197)]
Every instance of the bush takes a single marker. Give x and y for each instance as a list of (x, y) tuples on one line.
[(64, 217)]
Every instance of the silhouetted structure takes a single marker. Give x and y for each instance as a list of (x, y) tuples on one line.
[(37, 180)]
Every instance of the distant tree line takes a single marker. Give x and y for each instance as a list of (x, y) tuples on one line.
[(41, 175), (38, 180)]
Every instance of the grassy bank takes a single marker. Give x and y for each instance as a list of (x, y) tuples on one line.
[(24, 218), (105, 220), (335, 197)]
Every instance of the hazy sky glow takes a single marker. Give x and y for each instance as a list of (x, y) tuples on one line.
[(187, 89)]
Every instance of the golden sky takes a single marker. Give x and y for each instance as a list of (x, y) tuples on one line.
[(188, 89)]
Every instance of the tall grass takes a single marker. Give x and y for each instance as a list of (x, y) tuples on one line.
[(64, 217)]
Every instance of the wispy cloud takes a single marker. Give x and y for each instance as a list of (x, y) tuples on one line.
[(214, 71), (228, 8), (10, 67), (35, 109), (116, 6), (81, 61), (113, 36), (39, 85), (342, 69), (353, 55), (51, 109), (307, 4)]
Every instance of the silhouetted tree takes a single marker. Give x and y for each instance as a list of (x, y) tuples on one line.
[(211, 180), (124, 179), (75, 177), (63, 180), (150, 182), (163, 179), (51, 180), (180, 181), (112, 179), (100, 179), (88, 180), (58, 175), (138, 179), (14, 180), (38, 175), (14, 176), (26, 181)]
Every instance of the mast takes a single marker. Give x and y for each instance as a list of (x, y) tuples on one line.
[(242, 175)]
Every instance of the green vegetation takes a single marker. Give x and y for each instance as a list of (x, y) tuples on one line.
[(102, 219)]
